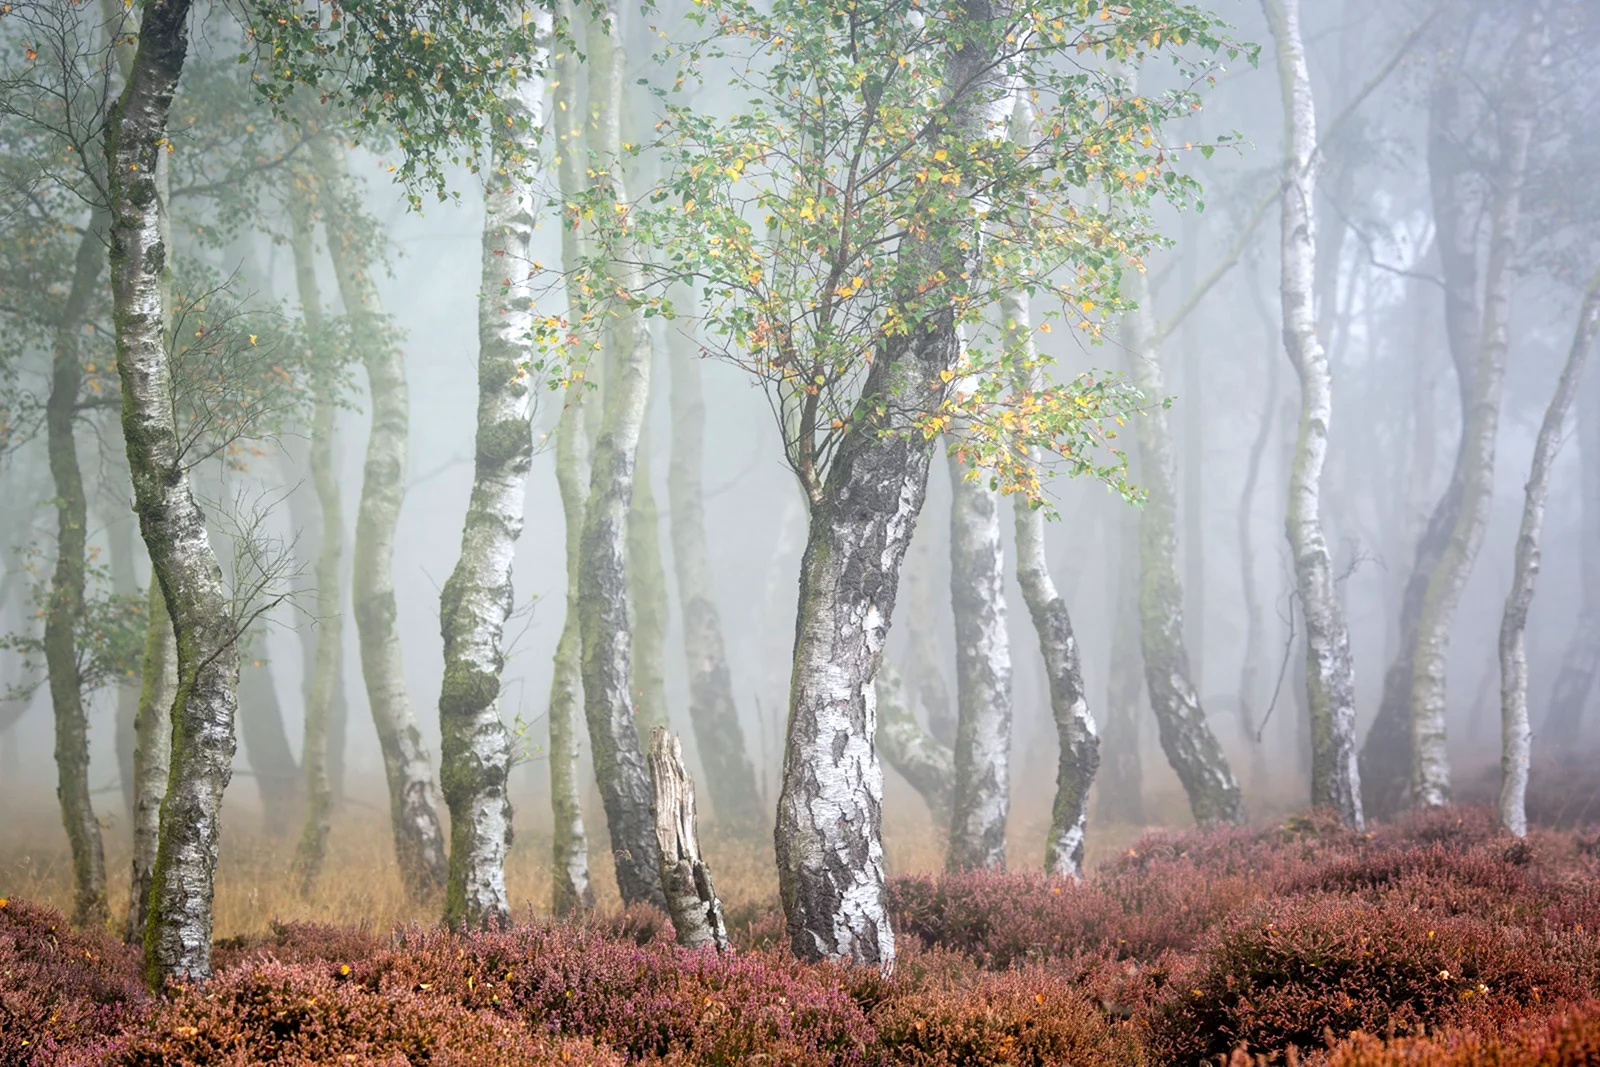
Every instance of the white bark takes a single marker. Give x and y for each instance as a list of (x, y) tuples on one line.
[(1515, 736), (478, 596), (1430, 766), (1330, 671), (413, 809), (983, 675), (152, 753), (178, 933)]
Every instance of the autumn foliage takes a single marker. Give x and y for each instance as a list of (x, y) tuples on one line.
[(1433, 942)]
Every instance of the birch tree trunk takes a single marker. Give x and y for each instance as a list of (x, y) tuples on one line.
[(478, 596), (927, 665), (713, 712), (1387, 754), (120, 537), (1250, 668), (178, 933), (914, 753), (152, 754), (1076, 735), (647, 594), (1574, 682), (1186, 738), (1120, 798), (1430, 766), (983, 675), (1515, 736), (1330, 671), (413, 811), (329, 617), (64, 609), (571, 891), (603, 579)]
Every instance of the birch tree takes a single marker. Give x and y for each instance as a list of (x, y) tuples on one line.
[(1516, 737), (478, 596), (1330, 670), (847, 306)]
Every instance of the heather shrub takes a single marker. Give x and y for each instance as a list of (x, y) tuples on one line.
[(1568, 1039), (303, 1014), (296, 942), (58, 988), (1290, 972), (1027, 1017)]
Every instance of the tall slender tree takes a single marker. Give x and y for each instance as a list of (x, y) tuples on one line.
[(1330, 669)]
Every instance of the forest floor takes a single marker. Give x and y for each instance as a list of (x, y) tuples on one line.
[(1433, 941)]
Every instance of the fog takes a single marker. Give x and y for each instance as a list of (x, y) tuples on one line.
[(1393, 442)]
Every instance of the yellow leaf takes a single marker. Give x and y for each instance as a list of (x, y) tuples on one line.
[(946, 375), (252, 338)]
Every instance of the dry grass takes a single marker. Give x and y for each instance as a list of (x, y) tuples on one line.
[(361, 885)]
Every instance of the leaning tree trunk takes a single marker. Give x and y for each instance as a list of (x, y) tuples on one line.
[(913, 752), (713, 713), (571, 891), (983, 675), (603, 581), (152, 753), (419, 842), (329, 619), (178, 933), (64, 610), (1121, 778), (686, 878), (1562, 727), (1386, 755), (1515, 737), (1186, 738), (1330, 670), (1430, 764), (1078, 739), (478, 596)]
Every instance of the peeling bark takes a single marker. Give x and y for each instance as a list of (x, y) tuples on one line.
[(686, 878), (1186, 738), (914, 753), (1330, 670), (1430, 766), (983, 676), (1515, 736), (413, 810), (1077, 738), (64, 609), (152, 753), (178, 932), (478, 596), (603, 582), (713, 712)]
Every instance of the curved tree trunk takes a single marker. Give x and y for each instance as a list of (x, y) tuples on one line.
[(178, 933), (691, 897), (914, 753), (1250, 667), (603, 580), (64, 609), (152, 753), (1515, 737), (419, 842), (983, 675), (1186, 738), (713, 712), (1330, 671), (329, 618), (1076, 735), (1120, 798), (1562, 728), (571, 891), (927, 665), (1430, 765), (478, 596)]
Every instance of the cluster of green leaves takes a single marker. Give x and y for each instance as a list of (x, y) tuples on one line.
[(110, 632), (849, 202), (427, 73)]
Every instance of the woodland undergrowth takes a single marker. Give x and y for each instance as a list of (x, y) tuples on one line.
[(1433, 941)]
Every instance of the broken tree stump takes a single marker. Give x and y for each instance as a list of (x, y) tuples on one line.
[(691, 898)]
